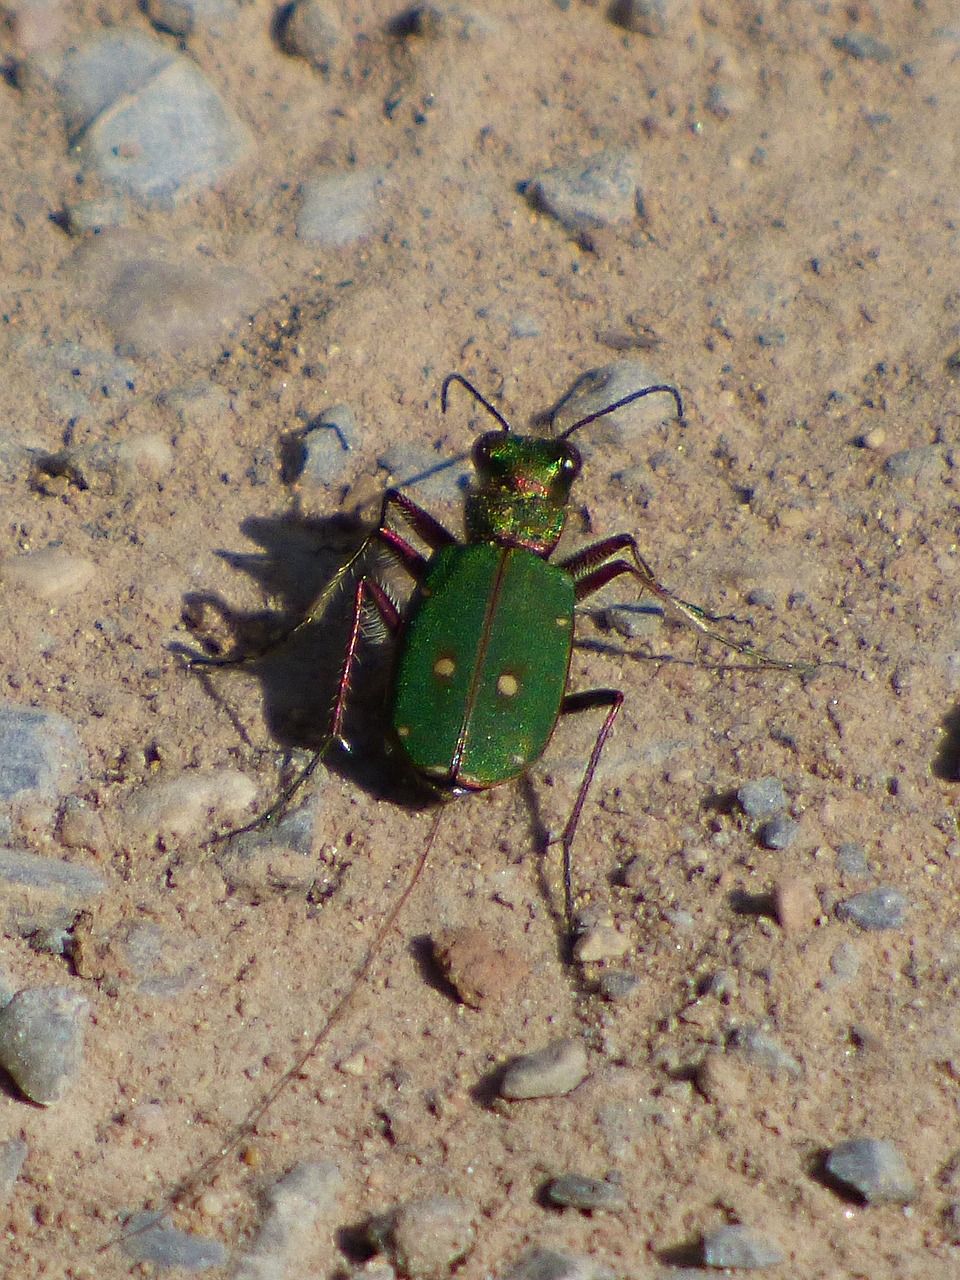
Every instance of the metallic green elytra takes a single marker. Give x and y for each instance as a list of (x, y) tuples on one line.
[(482, 668)]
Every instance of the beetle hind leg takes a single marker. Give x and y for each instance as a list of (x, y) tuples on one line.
[(589, 700)]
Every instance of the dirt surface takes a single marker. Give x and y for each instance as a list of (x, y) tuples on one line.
[(793, 269)]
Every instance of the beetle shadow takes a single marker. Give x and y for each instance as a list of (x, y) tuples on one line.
[(297, 658), (946, 763)]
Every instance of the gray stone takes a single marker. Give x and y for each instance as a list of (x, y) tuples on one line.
[(328, 443), (155, 1240), (881, 908), (425, 1237), (308, 1191), (311, 31), (175, 16), (40, 893), (41, 1041), (555, 1264), (635, 621), (339, 208), (146, 120), (77, 381), (13, 1153), (863, 46), (765, 1051), (574, 1190), (780, 832), (852, 859), (618, 984), (547, 1073), (646, 17), (763, 798), (598, 191), (85, 216), (925, 464), (738, 1246), (40, 755), (874, 1169), (597, 388)]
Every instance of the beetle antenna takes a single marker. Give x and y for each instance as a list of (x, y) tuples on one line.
[(618, 404), (456, 377)]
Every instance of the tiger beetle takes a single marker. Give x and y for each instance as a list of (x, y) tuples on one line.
[(483, 650), (483, 655)]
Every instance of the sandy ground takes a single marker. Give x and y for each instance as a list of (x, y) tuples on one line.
[(795, 275)]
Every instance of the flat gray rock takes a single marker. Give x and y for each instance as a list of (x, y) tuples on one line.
[(41, 1041)]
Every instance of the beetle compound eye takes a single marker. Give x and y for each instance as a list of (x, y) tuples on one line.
[(571, 464), (485, 450)]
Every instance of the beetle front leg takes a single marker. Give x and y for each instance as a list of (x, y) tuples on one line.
[(573, 703), (590, 573)]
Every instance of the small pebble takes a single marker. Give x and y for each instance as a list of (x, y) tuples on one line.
[(150, 1239), (43, 893), (556, 1264), (739, 1246), (477, 967), (425, 1238), (863, 46), (780, 832), (845, 962), (338, 209), (723, 1079), (881, 908), (599, 191), (795, 905), (764, 1050), (293, 1204), (634, 621), (311, 31), (547, 1073), (873, 439), (874, 1169), (575, 1191), (852, 859), (146, 957), (601, 941), (190, 804), (173, 16), (76, 380), (328, 443), (525, 325), (924, 464), (762, 799), (645, 17), (41, 1041), (82, 827), (86, 216), (618, 984), (149, 456), (50, 574), (13, 1153)]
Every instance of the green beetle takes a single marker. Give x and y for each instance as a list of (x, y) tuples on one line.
[(483, 649)]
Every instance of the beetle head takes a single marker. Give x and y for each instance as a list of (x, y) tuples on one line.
[(523, 485)]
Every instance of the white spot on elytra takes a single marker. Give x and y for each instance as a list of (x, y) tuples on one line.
[(508, 686)]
